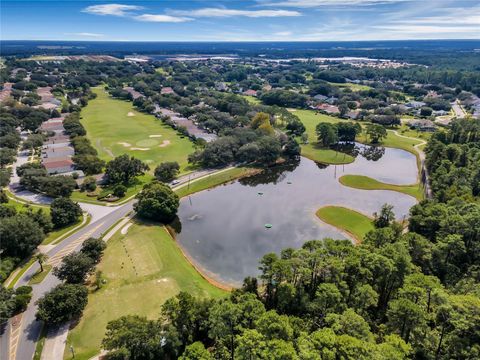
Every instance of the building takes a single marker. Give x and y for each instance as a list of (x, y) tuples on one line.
[(353, 114), (58, 165), (422, 125), (167, 90), (327, 108), (250, 92), (321, 98), (135, 94), (415, 104)]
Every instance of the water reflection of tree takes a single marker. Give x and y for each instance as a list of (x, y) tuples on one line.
[(369, 152), (176, 225), (373, 153), (271, 175)]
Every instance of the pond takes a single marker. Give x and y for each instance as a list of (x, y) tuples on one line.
[(223, 229)]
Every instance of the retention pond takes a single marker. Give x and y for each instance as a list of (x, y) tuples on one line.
[(223, 230)]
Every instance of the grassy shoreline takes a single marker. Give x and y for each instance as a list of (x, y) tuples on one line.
[(366, 183), (143, 268), (350, 221)]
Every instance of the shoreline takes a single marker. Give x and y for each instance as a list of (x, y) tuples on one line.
[(356, 239), (205, 274)]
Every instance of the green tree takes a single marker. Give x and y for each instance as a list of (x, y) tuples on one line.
[(64, 212), (94, 248), (123, 169), (167, 171), (19, 235), (157, 202), (41, 259), (74, 268), (134, 337), (385, 218), (326, 134), (63, 303), (196, 351), (376, 133)]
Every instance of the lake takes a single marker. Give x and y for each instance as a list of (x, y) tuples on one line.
[(223, 229)]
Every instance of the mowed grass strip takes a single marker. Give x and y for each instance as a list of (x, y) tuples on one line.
[(312, 150), (213, 180), (114, 127), (348, 220), (367, 183), (143, 269)]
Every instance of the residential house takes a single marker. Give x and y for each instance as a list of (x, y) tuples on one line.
[(250, 92), (422, 125)]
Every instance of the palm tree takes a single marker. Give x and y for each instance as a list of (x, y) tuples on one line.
[(41, 258)]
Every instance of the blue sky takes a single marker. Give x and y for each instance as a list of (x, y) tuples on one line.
[(257, 20)]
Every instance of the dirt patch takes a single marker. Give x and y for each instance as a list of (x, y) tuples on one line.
[(164, 143), (125, 144), (139, 149), (130, 113), (155, 136), (124, 230)]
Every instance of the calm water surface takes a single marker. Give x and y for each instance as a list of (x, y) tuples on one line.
[(223, 229)]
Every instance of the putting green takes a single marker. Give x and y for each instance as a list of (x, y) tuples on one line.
[(354, 223), (146, 142), (143, 268), (113, 132)]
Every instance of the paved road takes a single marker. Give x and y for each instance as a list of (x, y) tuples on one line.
[(458, 110), (18, 339), (30, 328)]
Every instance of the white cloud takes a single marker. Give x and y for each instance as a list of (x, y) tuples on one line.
[(319, 3), (85, 34), (162, 18), (222, 12), (283, 33), (111, 9)]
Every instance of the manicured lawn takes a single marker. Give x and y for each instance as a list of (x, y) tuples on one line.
[(38, 277), (367, 183), (214, 180), (252, 99), (353, 86), (114, 127), (143, 268), (353, 222), (21, 205), (311, 150)]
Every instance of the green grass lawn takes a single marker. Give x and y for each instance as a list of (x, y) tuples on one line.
[(252, 99), (351, 221), (353, 86), (367, 183), (214, 180), (38, 277), (21, 205), (114, 127), (143, 268), (311, 150)]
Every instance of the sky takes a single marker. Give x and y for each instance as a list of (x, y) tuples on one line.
[(238, 20)]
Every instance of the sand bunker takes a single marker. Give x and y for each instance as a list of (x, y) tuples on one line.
[(164, 143), (140, 149), (125, 144), (155, 136), (130, 113)]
